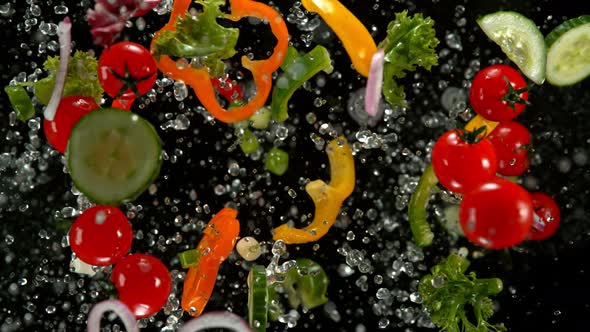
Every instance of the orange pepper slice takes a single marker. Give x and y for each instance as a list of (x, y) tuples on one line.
[(219, 239), (327, 198), (199, 79), (355, 38)]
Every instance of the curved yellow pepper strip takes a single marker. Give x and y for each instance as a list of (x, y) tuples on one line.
[(478, 122), (356, 39), (327, 198)]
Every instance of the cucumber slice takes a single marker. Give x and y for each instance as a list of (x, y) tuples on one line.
[(520, 40), (113, 155), (257, 298), (568, 58)]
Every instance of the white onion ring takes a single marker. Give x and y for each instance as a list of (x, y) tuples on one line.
[(65, 38), (115, 306), (216, 319), (374, 83)]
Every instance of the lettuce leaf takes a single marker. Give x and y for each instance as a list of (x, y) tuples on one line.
[(410, 43), (200, 37)]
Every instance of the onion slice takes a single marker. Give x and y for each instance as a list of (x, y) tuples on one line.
[(115, 306), (374, 83), (65, 38), (216, 319)]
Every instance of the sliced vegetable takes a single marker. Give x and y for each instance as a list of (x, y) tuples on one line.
[(327, 198), (219, 238), (374, 84), (249, 248), (113, 155), (248, 142), (410, 42), (216, 319), (20, 101), (189, 258), (520, 40), (116, 306), (355, 38), (297, 70), (568, 56), (447, 291), (257, 298), (277, 161), (64, 32), (199, 79)]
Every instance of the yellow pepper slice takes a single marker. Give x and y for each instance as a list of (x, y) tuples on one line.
[(479, 121), (355, 38), (327, 198)]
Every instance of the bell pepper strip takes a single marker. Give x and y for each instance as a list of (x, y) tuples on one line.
[(297, 70), (419, 226), (327, 198), (257, 298), (199, 79), (305, 285), (355, 38), (219, 238), (20, 101)]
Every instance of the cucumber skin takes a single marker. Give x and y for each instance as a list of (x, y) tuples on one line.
[(132, 196), (564, 27)]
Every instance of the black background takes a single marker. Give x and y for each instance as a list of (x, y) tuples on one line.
[(547, 287)]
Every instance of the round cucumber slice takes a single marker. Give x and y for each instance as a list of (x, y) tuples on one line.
[(113, 155), (520, 40), (568, 58), (257, 298)]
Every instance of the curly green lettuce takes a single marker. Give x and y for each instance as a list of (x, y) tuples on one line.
[(410, 42), (200, 37), (448, 292)]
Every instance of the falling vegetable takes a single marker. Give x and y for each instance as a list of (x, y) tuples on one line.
[(65, 38)]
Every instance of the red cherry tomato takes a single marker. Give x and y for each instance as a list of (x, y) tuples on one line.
[(69, 111), (512, 142), (547, 210), (228, 88), (460, 165), (126, 70), (496, 214), (143, 283), (490, 93), (101, 235)]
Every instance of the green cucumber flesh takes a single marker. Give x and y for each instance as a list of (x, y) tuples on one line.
[(113, 155), (257, 298), (520, 40), (568, 56)]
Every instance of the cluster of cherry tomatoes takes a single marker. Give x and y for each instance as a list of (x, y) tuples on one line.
[(494, 212)]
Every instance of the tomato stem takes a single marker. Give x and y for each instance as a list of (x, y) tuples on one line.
[(472, 136), (512, 97)]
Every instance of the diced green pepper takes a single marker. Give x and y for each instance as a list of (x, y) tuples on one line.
[(277, 161), (248, 142), (297, 70), (189, 258), (261, 118), (21, 102)]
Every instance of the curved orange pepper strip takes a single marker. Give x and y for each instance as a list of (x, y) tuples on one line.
[(219, 239), (327, 198), (355, 38), (199, 79)]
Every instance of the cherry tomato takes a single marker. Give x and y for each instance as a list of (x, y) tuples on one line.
[(126, 70), (228, 88), (460, 165), (512, 142), (547, 210), (143, 283), (69, 111), (496, 214), (492, 97), (101, 235)]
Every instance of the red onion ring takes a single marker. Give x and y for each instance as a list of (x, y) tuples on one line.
[(374, 83), (115, 306), (538, 223), (216, 319), (64, 33)]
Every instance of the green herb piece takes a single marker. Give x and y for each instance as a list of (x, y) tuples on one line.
[(260, 119), (248, 142), (277, 161), (20, 101), (410, 42), (447, 292), (417, 208), (189, 258), (305, 285), (297, 70), (200, 37)]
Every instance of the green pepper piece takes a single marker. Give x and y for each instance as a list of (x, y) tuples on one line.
[(248, 142), (257, 298), (260, 119), (189, 258), (277, 161), (20, 101), (297, 69), (417, 208)]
